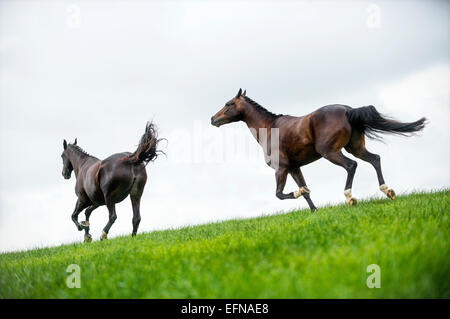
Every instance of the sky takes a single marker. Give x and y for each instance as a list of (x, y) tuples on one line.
[(99, 70)]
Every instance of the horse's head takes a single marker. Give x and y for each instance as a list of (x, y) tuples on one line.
[(67, 164), (231, 112)]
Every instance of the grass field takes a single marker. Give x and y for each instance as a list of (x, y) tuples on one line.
[(293, 255)]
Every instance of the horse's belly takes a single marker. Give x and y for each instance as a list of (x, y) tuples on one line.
[(305, 155), (310, 159)]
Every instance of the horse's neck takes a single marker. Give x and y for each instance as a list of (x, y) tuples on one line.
[(78, 159), (257, 120)]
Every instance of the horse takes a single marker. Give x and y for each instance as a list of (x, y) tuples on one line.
[(322, 133), (109, 181)]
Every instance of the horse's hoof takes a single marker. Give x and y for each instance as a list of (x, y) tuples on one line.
[(352, 201), (84, 224), (104, 236), (133, 234), (391, 194), (87, 238)]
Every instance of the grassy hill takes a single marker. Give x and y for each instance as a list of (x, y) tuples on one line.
[(292, 255)]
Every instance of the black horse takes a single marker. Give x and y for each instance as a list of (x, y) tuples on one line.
[(109, 181)]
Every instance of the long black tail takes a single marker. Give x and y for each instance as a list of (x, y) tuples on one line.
[(367, 120), (146, 150)]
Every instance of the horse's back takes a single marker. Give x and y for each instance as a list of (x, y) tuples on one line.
[(331, 110), (333, 115), (117, 166), (114, 158)]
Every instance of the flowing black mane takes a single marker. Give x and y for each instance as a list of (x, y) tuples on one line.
[(261, 108), (80, 150)]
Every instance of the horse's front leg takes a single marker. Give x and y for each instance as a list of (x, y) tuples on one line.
[(79, 206), (280, 176), (112, 219), (303, 189), (87, 213)]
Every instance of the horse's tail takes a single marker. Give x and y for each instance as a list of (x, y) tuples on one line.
[(369, 121), (146, 150)]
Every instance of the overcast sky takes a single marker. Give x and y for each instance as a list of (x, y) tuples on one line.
[(98, 70)]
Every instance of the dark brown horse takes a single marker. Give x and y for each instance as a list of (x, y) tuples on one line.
[(109, 181), (322, 133)]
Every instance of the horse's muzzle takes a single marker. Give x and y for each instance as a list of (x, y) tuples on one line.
[(216, 122)]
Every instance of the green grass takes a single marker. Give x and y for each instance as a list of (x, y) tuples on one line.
[(292, 255)]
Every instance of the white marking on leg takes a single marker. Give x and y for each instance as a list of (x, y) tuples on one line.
[(384, 188), (304, 190), (348, 194), (349, 198), (301, 191), (389, 192)]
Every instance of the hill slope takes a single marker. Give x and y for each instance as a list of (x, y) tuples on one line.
[(293, 255)]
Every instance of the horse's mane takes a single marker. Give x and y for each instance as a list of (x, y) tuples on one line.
[(261, 108), (80, 150)]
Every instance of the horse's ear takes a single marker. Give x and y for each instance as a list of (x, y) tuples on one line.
[(245, 92), (75, 143), (239, 93), (65, 144)]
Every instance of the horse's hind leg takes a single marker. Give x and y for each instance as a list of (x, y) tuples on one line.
[(358, 149), (350, 166), (374, 159), (300, 181), (135, 196), (112, 219), (136, 203)]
